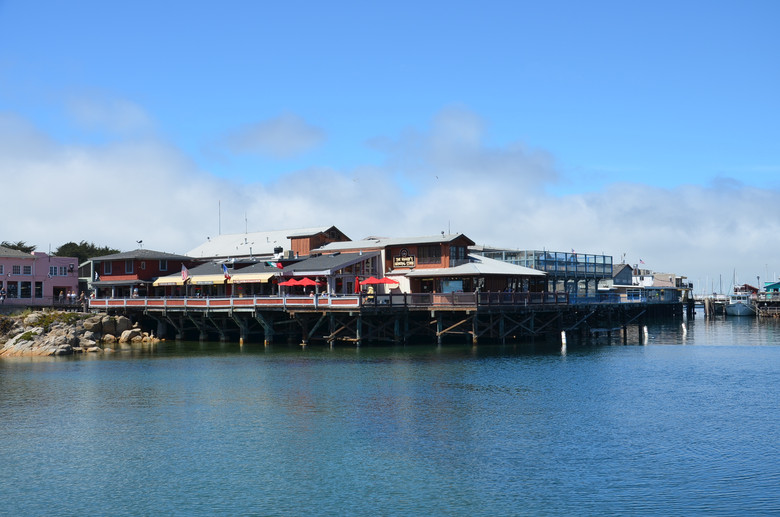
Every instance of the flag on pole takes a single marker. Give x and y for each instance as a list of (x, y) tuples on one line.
[(185, 273), (225, 270), (97, 277), (275, 264), (641, 261)]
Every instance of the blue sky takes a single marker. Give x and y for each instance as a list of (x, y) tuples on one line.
[(615, 127)]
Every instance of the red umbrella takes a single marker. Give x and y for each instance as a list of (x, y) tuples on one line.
[(291, 281), (373, 281), (308, 282), (357, 284)]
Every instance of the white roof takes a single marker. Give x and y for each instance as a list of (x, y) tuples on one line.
[(479, 266), (250, 244)]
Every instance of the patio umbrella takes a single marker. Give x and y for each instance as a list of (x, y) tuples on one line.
[(291, 281), (373, 281), (308, 282)]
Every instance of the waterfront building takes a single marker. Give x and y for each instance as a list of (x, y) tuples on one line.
[(131, 273), (772, 287), (441, 264), (335, 273), (37, 278), (401, 255), (621, 276), (266, 245), (214, 279), (480, 274), (574, 273)]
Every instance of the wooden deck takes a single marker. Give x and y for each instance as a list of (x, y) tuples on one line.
[(385, 318)]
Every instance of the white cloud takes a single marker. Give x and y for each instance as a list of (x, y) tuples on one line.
[(282, 137), (123, 192)]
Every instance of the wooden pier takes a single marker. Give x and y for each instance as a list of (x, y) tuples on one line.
[(768, 305), (391, 318)]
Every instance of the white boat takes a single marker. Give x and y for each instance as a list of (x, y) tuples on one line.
[(741, 301)]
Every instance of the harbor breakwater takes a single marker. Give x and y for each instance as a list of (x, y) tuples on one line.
[(44, 333)]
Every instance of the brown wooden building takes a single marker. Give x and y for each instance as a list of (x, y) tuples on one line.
[(119, 275)]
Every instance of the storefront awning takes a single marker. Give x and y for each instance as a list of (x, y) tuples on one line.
[(207, 279), (168, 280), (251, 278)]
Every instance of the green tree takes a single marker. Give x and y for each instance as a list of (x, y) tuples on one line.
[(20, 246), (83, 250)]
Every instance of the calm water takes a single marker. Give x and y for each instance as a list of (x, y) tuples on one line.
[(686, 424)]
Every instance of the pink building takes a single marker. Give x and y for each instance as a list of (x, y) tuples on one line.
[(29, 279)]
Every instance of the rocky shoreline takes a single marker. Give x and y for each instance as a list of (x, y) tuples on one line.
[(45, 333)]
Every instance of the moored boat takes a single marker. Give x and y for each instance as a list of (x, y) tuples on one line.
[(742, 301)]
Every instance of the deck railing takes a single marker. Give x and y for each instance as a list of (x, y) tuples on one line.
[(379, 301)]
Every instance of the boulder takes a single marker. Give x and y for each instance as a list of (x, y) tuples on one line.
[(123, 323), (87, 343), (109, 339), (93, 324), (32, 319), (63, 350), (108, 325), (128, 335)]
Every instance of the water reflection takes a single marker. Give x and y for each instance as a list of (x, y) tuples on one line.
[(528, 428)]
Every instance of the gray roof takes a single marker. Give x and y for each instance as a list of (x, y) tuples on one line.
[(324, 265), (259, 267), (383, 242), (12, 253), (251, 244), (209, 268), (618, 268), (478, 266), (141, 254)]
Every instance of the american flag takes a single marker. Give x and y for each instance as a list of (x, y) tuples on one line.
[(185, 273)]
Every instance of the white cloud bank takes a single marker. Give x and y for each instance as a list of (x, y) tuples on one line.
[(442, 179)]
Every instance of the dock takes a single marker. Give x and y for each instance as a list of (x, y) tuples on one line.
[(768, 305), (493, 317)]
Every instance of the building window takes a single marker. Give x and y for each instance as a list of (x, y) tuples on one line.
[(39, 289), (143, 265), (26, 291), (107, 268), (63, 271), (128, 266), (2, 269), (429, 254), (52, 270), (163, 265), (27, 270), (16, 270), (457, 255)]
